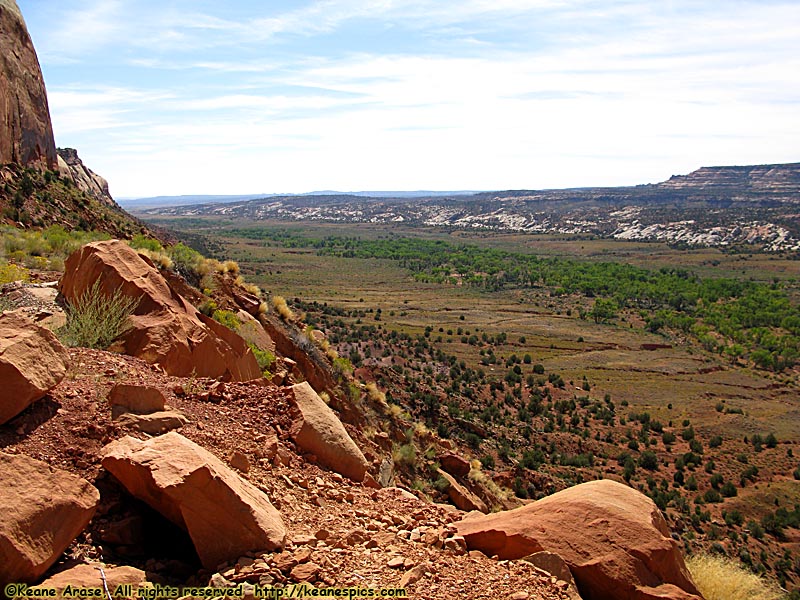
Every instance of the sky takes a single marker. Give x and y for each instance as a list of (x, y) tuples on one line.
[(175, 97)]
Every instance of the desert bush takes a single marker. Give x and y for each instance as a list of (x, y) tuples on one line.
[(95, 319), (405, 455), (184, 259), (160, 258), (264, 358), (11, 272), (227, 318), (230, 266), (142, 242), (720, 578)]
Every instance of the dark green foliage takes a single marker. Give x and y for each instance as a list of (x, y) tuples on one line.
[(648, 460), (757, 317)]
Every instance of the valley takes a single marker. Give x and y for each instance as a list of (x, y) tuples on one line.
[(532, 385)]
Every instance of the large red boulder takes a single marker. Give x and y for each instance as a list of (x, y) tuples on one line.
[(167, 330), (42, 509), (614, 539), (317, 430), (32, 362), (225, 515)]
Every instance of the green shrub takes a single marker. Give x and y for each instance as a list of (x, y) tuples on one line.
[(95, 320), (227, 318), (12, 272), (264, 358), (140, 241), (185, 259), (405, 455)]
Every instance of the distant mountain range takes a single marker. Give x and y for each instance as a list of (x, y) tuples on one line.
[(716, 206)]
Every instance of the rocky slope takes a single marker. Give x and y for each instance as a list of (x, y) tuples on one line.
[(193, 481)]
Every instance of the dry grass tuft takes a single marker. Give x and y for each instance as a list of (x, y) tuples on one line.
[(479, 477), (280, 306), (720, 578), (375, 394), (395, 411)]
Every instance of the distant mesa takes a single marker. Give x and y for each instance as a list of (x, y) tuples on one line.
[(712, 206)]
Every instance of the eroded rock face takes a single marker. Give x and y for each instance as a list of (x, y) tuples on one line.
[(32, 362), (613, 538), (71, 167), (225, 515), (318, 431), (167, 330), (42, 509), (26, 133)]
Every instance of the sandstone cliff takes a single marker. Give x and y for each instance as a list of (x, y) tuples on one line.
[(71, 167), (26, 134)]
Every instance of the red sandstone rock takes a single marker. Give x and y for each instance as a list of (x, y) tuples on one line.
[(32, 362), (167, 330), (26, 134), (461, 496), (454, 464), (42, 509), (317, 430), (613, 538), (89, 576), (225, 515), (139, 399)]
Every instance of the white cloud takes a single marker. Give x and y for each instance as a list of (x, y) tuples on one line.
[(550, 94)]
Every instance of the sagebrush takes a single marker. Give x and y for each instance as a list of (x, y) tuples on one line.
[(95, 319)]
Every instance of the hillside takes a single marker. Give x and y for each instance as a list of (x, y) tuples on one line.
[(713, 206)]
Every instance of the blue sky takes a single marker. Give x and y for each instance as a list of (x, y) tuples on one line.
[(196, 97)]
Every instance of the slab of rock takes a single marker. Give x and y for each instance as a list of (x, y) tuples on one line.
[(154, 423), (167, 330), (42, 509), (253, 331), (139, 399), (70, 166), (454, 464), (32, 362), (225, 516), (317, 430), (461, 496), (386, 473), (614, 540), (88, 576)]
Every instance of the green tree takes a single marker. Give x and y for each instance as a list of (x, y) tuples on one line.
[(604, 310)]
